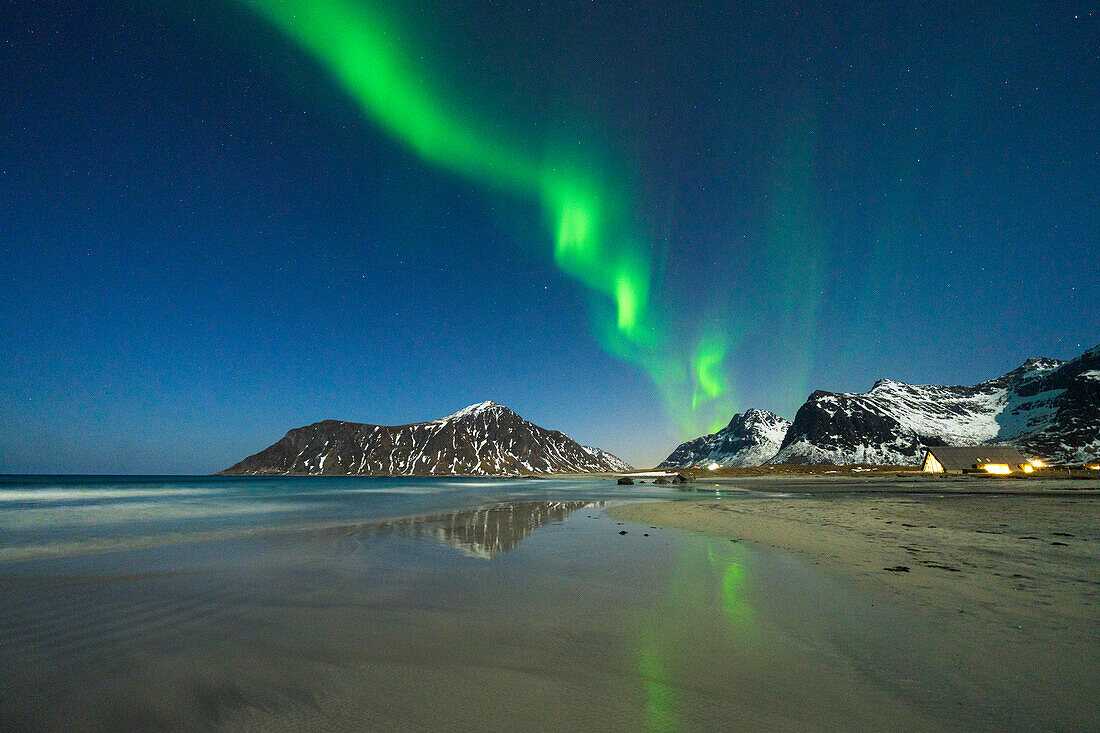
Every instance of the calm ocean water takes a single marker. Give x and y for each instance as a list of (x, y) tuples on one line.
[(43, 516)]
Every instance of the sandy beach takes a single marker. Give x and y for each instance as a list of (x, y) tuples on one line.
[(1007, 573), (408, 604)]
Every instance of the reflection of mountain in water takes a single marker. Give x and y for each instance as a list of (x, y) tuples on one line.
[(490, 531)]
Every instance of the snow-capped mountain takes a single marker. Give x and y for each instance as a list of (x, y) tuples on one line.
[(751, 438), (1046, 407), (617, 464), (485, 439)]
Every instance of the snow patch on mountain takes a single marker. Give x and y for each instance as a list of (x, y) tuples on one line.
[(484, 439), (1046, 407), (617, 464), (487, 407), (750, 439)]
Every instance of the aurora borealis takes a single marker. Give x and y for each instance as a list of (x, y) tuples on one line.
[(623, 221), (592, 229)]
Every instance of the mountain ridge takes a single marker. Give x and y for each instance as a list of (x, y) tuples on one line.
[(482, 439), (750, 438), (1047, 407)]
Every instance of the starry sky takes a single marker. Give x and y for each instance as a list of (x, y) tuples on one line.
[(624, 220)]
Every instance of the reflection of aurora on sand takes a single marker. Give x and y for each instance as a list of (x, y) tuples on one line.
[(713, 578), (589, 214)]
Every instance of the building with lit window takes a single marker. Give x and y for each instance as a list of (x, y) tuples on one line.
[(1001, 459)]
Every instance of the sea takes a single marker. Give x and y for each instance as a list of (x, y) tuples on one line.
[(302, 603), (57, 516)]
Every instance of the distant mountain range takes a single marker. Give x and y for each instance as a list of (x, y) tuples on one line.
[(751, 438), (1045, 407), (485, 439)]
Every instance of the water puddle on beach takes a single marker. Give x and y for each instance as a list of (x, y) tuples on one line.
[(528, 616)]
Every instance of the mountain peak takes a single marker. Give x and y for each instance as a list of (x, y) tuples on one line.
[(1042, 407), (751, 438), (756, 414), (475, 409), (1041, 363), (1032, 369), (483, 439)]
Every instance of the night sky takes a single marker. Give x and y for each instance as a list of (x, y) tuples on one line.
[(625, 221)]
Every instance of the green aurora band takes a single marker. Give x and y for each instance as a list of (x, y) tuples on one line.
[(593, 233)]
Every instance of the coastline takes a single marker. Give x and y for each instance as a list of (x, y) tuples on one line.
[(456, 620), (1010, 582), (848, 481), (198, 603)]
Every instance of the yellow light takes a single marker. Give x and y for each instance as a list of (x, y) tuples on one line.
[(1036, 463), (713, 467), (999, 468), (1096, 467), (1028, 468)]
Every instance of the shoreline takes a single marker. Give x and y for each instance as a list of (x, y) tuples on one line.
[(1010, 583), (898, 484), (982, 546), (460, 618)]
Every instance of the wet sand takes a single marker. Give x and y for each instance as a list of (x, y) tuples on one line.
[(1009, 581), (524, 616), (554, 615)]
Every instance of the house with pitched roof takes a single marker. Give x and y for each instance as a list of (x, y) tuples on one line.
[(1001, 459)]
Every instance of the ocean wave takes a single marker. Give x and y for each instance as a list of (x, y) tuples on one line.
[(144, 512), (59, 495)]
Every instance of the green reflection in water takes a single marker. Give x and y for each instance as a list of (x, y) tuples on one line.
[(659, 694), (710, 579), (726, 563)]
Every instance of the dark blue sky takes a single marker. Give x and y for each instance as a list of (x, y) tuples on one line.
[(204, 241)]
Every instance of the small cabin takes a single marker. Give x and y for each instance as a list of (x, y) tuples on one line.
[(1001, 459)]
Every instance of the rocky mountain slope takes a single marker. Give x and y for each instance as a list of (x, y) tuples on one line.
[(485, 439), (1045, 407), (616, 464), (750, 439)]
